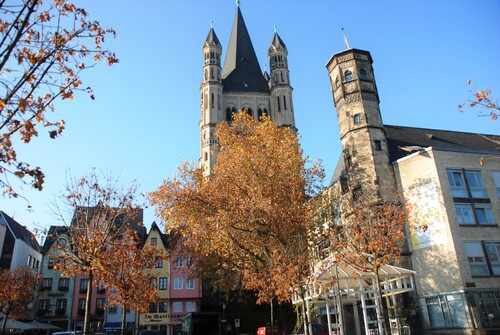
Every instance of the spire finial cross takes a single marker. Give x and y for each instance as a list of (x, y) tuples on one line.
[(211, 23), (238, 3), (275, 29)]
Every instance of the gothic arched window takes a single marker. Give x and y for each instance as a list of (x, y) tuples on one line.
[(229, 115)]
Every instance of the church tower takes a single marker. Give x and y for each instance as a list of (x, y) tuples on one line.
[(240, 86), (364, 145)]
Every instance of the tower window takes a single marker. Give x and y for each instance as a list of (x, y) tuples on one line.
[(228, 114), (348, 76), (377, 144), (212, 101), (284, 102), (282, 79), (206, 156), (363, 75), (218, 101), (279, 104), (356, 119)]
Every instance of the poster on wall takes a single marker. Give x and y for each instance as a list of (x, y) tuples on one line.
[(425, 216)]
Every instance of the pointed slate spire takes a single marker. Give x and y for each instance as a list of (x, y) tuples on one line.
[(241, 70), (277, 42), (212, 38)]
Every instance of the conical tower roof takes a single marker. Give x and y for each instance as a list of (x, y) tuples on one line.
[(241, 70), (277, 42), (212, 38)]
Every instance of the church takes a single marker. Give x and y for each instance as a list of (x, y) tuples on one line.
[(450, 180)]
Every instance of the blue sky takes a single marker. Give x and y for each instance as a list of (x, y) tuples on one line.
[(144, 120)]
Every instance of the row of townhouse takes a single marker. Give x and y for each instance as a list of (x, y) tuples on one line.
[(61, 300)]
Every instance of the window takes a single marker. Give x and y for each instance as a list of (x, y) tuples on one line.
[(81, 304), (348, 76), (474, 213), (190, 283), (481, 264), (447, 311), (43, 304), (377, 144), (159, 263), (179, 262), (177, 283), (279, 104), (50, 263), (469, 187), (190, 306), (61, 305), (493, 251), (99, 303), (30, 261), (488, 304), (163, 307), (284, 102), (496, 180), (112, 310), (154, 240), (212, 100), (356, 119), (177, 307), (162, 283), (229, 115), (152, 307), (63, 284), (363, 75), (188, 261), (84, 283), (337, 82), (47, 284)]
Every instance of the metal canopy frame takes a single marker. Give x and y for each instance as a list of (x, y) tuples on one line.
[(343, 282)]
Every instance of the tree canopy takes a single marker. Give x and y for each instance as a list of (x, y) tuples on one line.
[(44, 48), (248, 222)]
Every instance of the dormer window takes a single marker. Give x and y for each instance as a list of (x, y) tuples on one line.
[(348, 76), (363, 75)]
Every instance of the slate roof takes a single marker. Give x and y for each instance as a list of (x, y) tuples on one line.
[(52, 234), (212, 38), (241, 72), (398, 136), (277, 42), (20, 232), (164, 238)]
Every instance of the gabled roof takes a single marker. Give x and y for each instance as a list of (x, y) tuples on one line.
[(241, 72), (163, 236), (20, 232), (53, 233), (399, 137), (212, 38)]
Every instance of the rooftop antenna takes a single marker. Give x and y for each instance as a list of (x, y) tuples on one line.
[(346, 44)]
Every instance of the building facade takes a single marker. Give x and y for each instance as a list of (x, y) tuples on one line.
[(55, 296), (19, 246), (451, 183)]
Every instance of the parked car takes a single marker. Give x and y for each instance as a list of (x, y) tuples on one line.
[(316, 328)]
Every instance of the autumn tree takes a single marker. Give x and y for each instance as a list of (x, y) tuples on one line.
[(101, 211), (17, 291), (368, 235), (483, 101), (44, 48), (125, 268), (247, 223)]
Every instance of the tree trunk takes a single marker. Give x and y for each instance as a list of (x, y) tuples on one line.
[(272, 316), (124, 319), (4, 323), (86, 318), (382, 303)]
